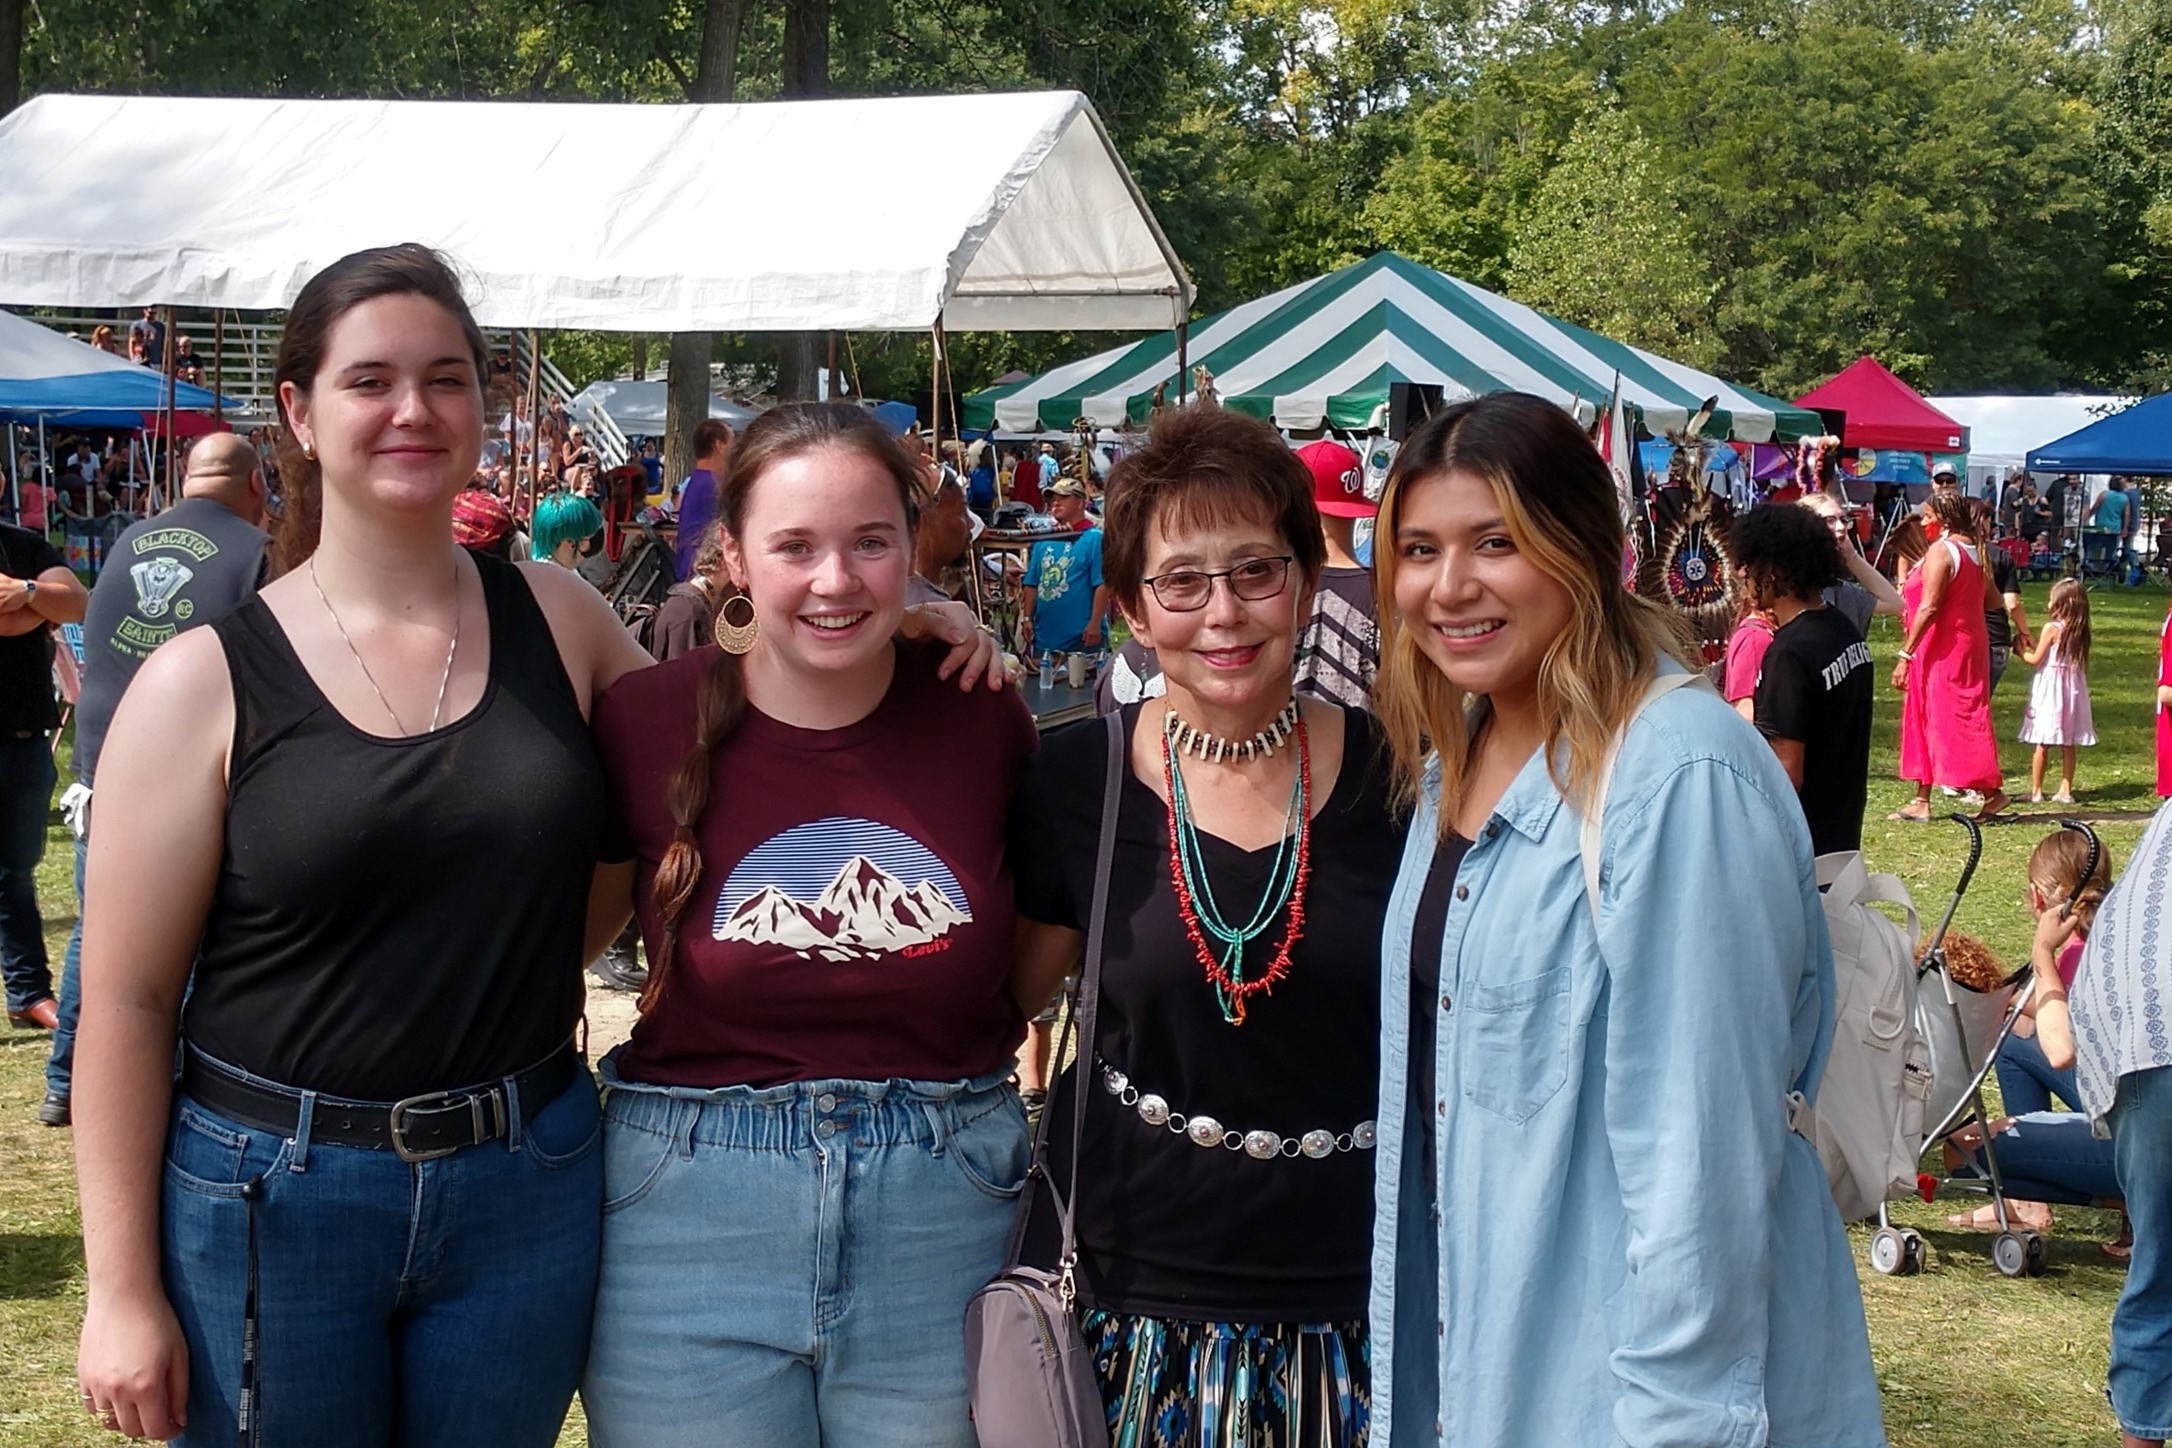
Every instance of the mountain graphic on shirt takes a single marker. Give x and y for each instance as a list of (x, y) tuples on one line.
[(888, 894)]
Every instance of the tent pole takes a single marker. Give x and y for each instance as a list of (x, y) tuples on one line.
[(1184, 347), (830, 387), (935, 395), (44, 473), (218, 363), (535, 430), (165, 365)]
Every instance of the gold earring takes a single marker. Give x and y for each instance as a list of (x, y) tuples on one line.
[(737, 638), (309, 450)]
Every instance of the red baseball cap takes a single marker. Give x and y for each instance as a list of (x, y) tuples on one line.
[(1338, 479)]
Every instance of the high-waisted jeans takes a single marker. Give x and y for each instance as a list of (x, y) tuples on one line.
[(2141, 1367), (438, 1304), (790, 1265)]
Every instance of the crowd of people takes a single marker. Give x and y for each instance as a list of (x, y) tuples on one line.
[(1399, 1111)]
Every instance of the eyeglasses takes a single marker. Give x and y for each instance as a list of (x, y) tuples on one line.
[(1186, 590)]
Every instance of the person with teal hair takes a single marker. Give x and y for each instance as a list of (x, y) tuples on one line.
[(563, 522)]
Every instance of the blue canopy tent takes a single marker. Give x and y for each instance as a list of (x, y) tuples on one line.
[(47, 380), (2136, 441)]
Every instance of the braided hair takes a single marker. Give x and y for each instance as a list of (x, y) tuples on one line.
[(780, 433)]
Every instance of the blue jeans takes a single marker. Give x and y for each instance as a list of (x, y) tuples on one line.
[(2052, 1156), (60, 1063), (438, 1304), (2141, 1372), (2027, 1081), (27, 776), (790, 1265)]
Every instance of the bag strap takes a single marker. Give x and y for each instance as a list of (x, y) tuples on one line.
[(1588, 839), (1079, 1018)]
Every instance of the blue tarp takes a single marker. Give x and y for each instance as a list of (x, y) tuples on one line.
[(2138, 440)]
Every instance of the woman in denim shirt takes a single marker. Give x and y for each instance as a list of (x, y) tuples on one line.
[(1594, 1226)]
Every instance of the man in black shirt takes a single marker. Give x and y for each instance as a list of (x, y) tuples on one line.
[(1814, 692), (36, 592)]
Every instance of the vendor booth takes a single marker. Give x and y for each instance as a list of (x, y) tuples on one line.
[(1330, 351), (2002, 431), (1892, 435)]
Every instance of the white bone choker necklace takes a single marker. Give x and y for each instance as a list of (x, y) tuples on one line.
[(1214, 749)]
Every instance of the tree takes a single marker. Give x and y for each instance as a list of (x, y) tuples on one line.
[(1603, 244), (686, 398), (2133, 163)]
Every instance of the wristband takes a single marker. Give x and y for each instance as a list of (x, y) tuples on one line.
[(1905, 656)]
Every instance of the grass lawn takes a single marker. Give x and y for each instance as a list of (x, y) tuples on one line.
[(1966, 1357)]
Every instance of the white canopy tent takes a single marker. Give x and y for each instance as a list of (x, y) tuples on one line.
[(638, 407), (983, 212), (2003, 430)]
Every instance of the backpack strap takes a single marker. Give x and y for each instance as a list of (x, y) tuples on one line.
[(1587, 840)]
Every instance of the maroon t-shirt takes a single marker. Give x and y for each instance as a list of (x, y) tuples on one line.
[(853, 919)]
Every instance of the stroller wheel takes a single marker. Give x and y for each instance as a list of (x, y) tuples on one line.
[(2035, 1254), (1913, 1251), (2011, 1255), (1889, 1255)]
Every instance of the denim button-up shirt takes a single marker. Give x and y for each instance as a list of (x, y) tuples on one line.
[(1631, 1246)]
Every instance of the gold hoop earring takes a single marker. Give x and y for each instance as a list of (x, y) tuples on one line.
[(309, 450), (737, 638)]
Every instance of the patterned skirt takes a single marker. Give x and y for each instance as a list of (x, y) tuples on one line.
[(1173, 1384)]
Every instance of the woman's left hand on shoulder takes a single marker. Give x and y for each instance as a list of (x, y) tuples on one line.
[(975, 656)]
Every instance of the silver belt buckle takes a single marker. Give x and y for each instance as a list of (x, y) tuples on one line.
[(427, 1101)]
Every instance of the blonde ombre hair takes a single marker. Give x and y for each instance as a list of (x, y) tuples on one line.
[(1558, 501)]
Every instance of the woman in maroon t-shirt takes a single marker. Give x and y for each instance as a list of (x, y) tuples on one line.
[(812, 1149)]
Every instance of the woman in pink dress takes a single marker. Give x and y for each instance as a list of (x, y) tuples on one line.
[(1944, 669)]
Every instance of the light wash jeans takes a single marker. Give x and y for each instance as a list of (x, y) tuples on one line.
[(790, 1265), (60, 1060), (439, 1304), (2141, 1368)]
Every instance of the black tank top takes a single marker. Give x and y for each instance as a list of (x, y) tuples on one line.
[(395, 916)]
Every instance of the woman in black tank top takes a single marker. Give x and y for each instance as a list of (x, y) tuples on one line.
[(365, 809)]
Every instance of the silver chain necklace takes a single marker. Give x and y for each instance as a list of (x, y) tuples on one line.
[(452, 652)]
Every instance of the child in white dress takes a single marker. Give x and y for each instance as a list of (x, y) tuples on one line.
[(2059, 698)]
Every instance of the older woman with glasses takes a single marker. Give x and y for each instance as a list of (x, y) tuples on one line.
[(1222, 1188)]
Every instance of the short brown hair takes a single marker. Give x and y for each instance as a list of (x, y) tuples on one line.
[(1205, 464), (710, 434)]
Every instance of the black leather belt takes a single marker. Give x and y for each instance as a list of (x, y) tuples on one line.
[(434, 1124)]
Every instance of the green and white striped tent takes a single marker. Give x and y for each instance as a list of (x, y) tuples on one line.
[(1324, 352)]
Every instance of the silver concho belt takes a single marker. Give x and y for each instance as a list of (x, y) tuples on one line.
[(1206, 1131)]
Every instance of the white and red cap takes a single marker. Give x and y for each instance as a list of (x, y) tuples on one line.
[(1338, 479)]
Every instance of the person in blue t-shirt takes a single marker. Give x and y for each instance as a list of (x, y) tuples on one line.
[(980, 481), (1065, 597)]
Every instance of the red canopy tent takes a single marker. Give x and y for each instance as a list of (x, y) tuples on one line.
[(1885, 412)]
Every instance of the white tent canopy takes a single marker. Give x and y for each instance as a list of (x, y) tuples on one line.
[(2003, 430), (984, 212)]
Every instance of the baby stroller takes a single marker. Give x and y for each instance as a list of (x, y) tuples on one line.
[(1963, 1028)]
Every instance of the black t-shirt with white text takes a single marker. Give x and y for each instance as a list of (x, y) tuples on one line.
[(1816, 688)]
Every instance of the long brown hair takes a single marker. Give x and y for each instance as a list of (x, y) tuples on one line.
[(780, 433), (409, 269), (1558, 501), (2070, 610)]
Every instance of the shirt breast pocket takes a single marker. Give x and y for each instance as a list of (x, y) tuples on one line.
[(1515, 1044)]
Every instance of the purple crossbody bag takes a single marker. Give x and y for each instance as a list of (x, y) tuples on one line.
[(1027, 1372)]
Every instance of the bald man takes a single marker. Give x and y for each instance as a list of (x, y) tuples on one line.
[(188, 566)]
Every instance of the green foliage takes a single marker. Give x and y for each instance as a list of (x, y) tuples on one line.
[(1604, 244)]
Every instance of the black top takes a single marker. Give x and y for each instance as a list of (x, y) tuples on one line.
[(190, 565), (1166, 1228), (1816, 688), (1996, 624), (395, 916), (1425, 1002), (27, 705)]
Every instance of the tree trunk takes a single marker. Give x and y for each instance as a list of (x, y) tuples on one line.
[(806, 76), (686, 402), (11, 54)]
